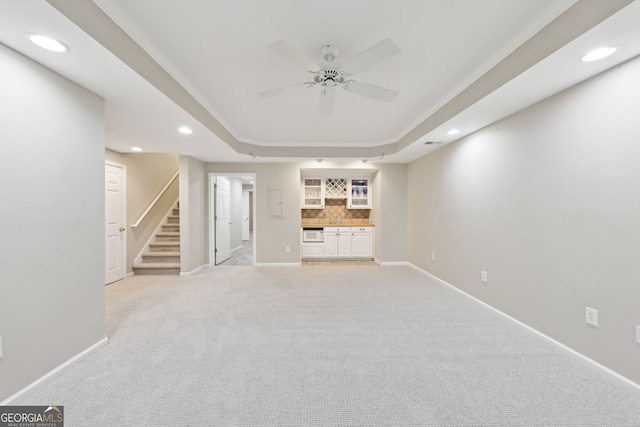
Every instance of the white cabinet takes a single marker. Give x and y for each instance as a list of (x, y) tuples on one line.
[(312, 250), (335, 188), (331, 245), (359, 193), (362, 242), (348, 242), (337, 242), (312, 193), (344, 245)]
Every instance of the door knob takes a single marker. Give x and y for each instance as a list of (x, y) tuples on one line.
[(121, 229)]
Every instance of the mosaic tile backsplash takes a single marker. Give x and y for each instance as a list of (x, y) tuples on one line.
[(335, 210)]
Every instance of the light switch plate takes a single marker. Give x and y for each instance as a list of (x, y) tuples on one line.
[(638, 334), (0, 346), (591, 316)]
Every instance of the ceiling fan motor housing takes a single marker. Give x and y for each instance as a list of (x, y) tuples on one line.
[(330, 73)]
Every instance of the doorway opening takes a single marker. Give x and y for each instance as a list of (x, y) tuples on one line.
[(231, 219)]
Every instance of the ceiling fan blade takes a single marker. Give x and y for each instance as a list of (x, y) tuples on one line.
[(372, 56), (293, 55), (371, 91), (282, 90), (326, 101)]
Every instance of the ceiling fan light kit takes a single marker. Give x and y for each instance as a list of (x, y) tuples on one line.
[(330, 74)]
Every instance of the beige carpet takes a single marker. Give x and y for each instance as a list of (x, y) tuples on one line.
[(324, 345)]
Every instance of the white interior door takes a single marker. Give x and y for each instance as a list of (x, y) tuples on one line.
[(222, 191), (245, 215), (115, 221)]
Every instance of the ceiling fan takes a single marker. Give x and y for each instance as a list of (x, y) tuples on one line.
[(329, 74)]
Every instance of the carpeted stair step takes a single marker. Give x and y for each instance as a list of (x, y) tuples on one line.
[(170, 227), (163, 256), (168, 236), (155, 257), (157, 268), (164, 247)]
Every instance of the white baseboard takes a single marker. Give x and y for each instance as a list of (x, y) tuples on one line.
[(548, 338), (384, 263), (57, 371), (197, 270), (278, 264)]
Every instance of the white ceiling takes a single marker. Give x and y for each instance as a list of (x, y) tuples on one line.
[(211, 59)]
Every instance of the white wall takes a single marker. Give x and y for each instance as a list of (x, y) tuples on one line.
[(548, 203), (193, 215), (391, 200), (51, 221)]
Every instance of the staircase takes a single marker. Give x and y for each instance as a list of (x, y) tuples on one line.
[(163, 255)]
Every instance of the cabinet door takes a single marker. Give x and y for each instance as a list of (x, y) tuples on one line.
[(359, 193), (312, 193), (362, 245), (344, 245), (330, 245), (312, 250)]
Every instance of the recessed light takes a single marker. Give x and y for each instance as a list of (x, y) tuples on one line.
[(453, 131), (136, 149), (185, 130), (598, 54), (48, 43)]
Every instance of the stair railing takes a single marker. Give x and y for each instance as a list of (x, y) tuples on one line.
[(152, 204)]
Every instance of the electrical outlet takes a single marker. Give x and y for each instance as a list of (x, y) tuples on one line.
[(591, 316), (638, 334), (433, 256), (483, 276), (287, 249)]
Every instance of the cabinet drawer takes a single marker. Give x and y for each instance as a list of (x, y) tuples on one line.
[(362, 229), (337, 230)]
